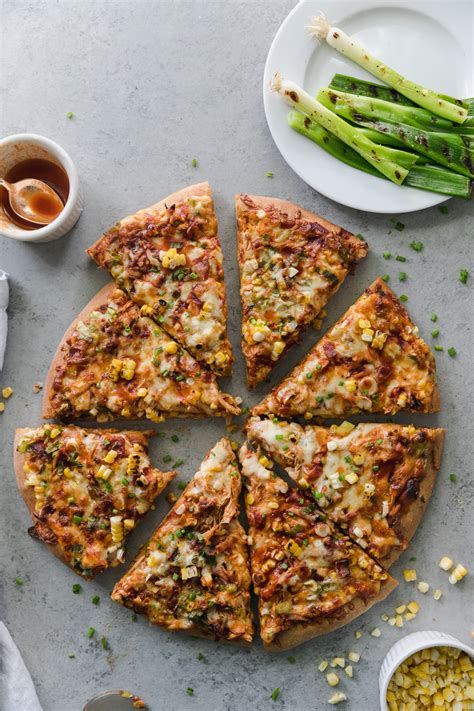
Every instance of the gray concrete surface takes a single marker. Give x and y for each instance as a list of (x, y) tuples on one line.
[(153, 85)]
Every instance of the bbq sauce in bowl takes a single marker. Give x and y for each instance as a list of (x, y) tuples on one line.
[(47, 171)]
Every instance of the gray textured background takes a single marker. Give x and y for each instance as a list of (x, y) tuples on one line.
[(153, 85)]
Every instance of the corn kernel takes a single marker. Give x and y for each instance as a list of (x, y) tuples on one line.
[(414, 607), (146, 310), (67, 473), (358, 459), (339, 662), (337, 698), (409, 575), (437, 594), (207, 306), (278, 347), (103, 472), (308, 415), (400, 609), (458, 574), (354, 656), (352, 478), (323, 665), (344, 428), (2, 407), (221, 357), (55, 432), (7, 392), (332, 679), (363, 323), (423, 587), (142, 392), (351, 386), (349, 671), (265, 462), (249, 499), (445, 563), (111, 456), (128, 524), (376, 632)]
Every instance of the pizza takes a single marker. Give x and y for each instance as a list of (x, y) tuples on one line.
[(193, 575), (86, 490), (168, 258), (371, 360), (291, 263), (116, 362), (373, 480), (310, 578)]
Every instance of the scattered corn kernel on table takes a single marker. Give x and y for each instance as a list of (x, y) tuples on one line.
[(146, 100)]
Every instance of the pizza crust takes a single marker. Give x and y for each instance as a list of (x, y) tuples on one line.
[(59, 357), (28, 493), (304, 631), (178, 196), (410, 520)]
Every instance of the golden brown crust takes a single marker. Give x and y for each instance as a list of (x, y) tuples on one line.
[(413, 513), (293, 211), (302, 632), (179, 195), (59, 357)]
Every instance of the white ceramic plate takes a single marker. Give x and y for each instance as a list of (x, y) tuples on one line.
[(430, 42)]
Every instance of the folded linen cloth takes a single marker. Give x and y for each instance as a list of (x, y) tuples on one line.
[(4, 294), (17, 692)]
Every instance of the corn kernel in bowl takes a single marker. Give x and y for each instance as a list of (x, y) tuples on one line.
[(434, 678)]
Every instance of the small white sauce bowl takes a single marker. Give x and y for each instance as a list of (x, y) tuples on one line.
[(23, 146), (409, 645)]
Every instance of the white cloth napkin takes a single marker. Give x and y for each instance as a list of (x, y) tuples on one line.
[(17, 692), (4, 293)]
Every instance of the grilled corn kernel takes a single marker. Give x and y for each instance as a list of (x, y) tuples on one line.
[(171, 258), (358, 459), (128, 524), (402, 400), (352, 478), (171, 498), (294, 548), (354, 656), (133, 462), (154, 415), (125, 412), (278, 347), (376, 632), (344, 428), (207, 306), (349, 671), (413, 606), (423, 587), (458, 574), (7, 392), (308, 415), (221, 357), (146, 310), (351, 386), (272, 505), (2, 407), (265, 462), (111, 456), (364, 323), (437, 594), (367, 335), (357, 634), (379, 339), (142, 392), (67, 473), (409, 575), (116, 528), (332, 679), (128, 369), (445, 563), (323, 665), (103, 472), (55, 432), (249, 499), (234, 445), (115, 368)]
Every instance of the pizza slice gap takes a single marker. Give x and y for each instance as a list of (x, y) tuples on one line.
[(371, 360), (193, 575), (169, 259), (86, 490), (291, 263), (373, 480), (115, 362), (310, 578)]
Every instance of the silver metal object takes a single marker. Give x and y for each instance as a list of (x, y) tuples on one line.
[(110, 701)]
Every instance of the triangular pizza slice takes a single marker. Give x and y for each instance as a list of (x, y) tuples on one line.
[(86, 490), (371, 360), (310, 578), (193, 574), (115, 362), (373, 480), (168, 257), (291, 263)]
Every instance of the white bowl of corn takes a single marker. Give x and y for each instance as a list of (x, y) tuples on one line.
[(427, 670)]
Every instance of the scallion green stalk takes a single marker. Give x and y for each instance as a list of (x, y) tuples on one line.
[(320, 28), (379, 109), (394, 164), (425, 177), (354, 85)]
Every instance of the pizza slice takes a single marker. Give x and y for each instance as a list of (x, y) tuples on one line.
[(291, 263), (371, 360), (373, 480), (193, 574), (86, 490), (168, 258), (115, 362), (310, 578)]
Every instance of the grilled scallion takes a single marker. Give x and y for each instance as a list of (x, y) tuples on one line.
[(453, 110)]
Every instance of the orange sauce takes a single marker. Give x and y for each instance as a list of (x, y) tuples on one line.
[(40, 203)]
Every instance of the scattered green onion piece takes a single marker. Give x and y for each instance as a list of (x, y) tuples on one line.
[(400, 258), (439, 348), (403, 297), (385, 277), (71, 655), (69, 115), (452, 352), (190, 691), (90, 632), (435, 333), (104, 643), (275, 694), (194, 163), (444, 209), (77, 519), (463, 276), (269, 174), (417, 246), (18, 581), (434, 317), (402, 276), (387, 255), (201, 657), (95, 600), (175, 438), (76, 588), (453, 478), (292, 660)]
